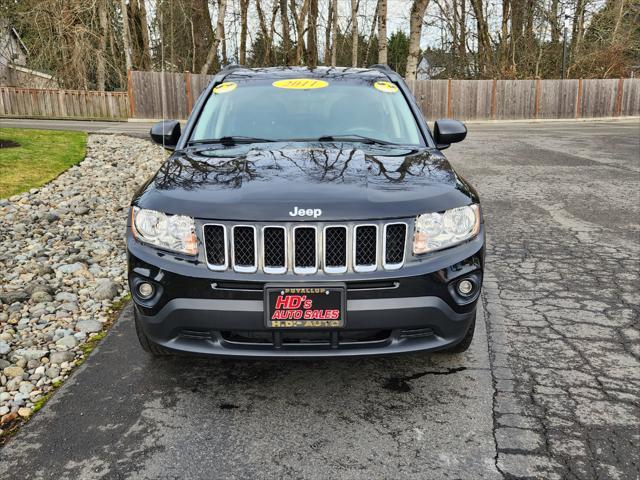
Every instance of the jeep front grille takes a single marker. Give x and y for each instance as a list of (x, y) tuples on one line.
[(305, 249)]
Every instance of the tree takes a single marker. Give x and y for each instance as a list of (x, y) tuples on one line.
[(382, 31), (312, 39), (101, 68), (354, 33), (125, 35), (244, 7), (286, 39), (503, 49), (484, 40), (372, 32), (327, 34), (299, 18), (139, 35), (577, 29), (398, 51), (183, 30), (415, 30), (222, 5), (92, 44), (334, 43)]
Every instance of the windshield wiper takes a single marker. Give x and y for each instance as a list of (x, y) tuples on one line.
[(351, 137), (230, 140)]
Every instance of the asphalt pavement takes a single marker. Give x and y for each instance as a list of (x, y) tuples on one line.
[(550, 388), (134, 129)]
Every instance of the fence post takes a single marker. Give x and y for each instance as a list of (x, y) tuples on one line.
[(494, 90), (187, 83), (449, 105), (132, 108), (579, 99), (537, 107), (618, 108), (62, 107)]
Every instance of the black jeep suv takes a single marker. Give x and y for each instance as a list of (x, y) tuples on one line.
[(305, 213)]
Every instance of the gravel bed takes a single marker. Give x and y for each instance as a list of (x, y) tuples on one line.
[(63, 265)]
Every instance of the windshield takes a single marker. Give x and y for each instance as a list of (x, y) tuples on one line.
[(308, 109)]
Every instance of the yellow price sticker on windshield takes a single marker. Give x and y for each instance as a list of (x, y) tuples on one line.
[(225, 87), (300, 83), (386, 87)]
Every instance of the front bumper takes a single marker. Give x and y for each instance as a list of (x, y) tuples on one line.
[(202, 312), (374, 327)]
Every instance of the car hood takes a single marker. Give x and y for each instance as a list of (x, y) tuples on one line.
[(268, 182)]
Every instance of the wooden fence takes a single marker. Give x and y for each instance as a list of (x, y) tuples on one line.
[(461, 99), (182, 90), (527, 99), (65, 104)]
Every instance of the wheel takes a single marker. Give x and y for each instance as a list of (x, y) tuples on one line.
[(465, 343), (146, 344)]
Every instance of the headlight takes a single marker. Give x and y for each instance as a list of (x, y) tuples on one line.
[(171, 232), (435, 231)]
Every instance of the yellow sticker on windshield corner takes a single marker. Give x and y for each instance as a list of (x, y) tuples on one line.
[(225, 87), (300, 83), (386, 87)]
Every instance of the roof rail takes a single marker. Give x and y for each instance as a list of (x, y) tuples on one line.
[(231, 66), (382, 66)]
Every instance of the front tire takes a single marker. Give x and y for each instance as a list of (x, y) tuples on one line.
[(465, 343), (145, 342)]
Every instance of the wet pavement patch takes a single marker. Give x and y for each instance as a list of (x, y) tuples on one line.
[(401, 384)]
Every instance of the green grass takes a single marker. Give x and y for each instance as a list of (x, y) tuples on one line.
[(41, 157)]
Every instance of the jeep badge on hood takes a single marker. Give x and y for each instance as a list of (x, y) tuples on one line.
[(309, 212)]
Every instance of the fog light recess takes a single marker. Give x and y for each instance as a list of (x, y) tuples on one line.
[(145, 290), (466, 287)]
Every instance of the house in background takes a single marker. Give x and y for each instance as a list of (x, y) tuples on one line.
[(13, 63), (427, 70)]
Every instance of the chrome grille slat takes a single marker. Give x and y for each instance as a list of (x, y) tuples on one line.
[(306, 248)]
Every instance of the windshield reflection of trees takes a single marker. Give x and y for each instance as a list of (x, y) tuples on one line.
[(330, 164)]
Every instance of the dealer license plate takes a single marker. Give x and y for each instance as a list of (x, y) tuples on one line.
[(316, 306)]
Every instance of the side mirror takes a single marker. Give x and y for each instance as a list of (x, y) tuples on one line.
[(166, 133), (446, 132)]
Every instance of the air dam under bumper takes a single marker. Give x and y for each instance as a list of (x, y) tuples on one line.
[(230, 327)]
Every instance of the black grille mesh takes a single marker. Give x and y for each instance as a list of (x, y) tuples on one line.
[(305, 239), (214, 241), (274, 252), (366, 245), (395, 240), (336, 247), (273, 246), (244, 246)]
